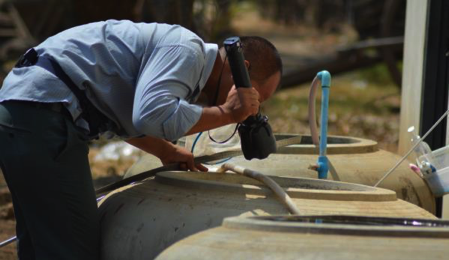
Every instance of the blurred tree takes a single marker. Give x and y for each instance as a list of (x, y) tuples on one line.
[(213, 18), (165, 11), (316, 13), (26, 22), (86, 11), (371, 18), (208, 18)]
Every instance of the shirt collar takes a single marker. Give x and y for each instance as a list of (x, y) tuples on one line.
[(211, 51)]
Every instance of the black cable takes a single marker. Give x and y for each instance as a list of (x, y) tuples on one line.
[(227, 139), (217, 92)]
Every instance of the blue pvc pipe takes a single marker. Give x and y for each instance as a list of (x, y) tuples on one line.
[(323, 165)]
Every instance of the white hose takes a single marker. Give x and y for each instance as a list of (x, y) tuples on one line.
[(283, 197), (312, 117)]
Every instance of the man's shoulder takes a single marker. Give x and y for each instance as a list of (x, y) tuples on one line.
[(178, 36)]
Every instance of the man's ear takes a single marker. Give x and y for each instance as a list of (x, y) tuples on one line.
[(247, 65)]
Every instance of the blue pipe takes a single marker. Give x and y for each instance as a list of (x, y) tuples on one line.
[(323, 163), (193, 148)]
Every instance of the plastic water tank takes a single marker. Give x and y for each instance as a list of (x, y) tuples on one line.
[(141, 220), (317, 238), (356, 160)]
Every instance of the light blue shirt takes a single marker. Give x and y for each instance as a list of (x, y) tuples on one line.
[(142, 76)]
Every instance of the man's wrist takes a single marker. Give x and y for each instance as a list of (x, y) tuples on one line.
[(152, 145), (212, 117), (227, 115)]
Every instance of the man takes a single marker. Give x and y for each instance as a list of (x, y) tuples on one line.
[(138, 81)]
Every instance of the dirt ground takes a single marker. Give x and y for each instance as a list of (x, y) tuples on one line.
[(7, 223)]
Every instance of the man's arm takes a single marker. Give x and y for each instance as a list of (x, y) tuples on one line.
[(211, 117), (240, 104), (167, 152)]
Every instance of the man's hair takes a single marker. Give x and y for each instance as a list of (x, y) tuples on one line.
[(263, 57)]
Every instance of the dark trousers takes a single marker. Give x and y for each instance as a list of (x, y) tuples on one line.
[(44, 159)]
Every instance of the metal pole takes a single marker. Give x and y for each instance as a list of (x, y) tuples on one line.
[(8, 241)]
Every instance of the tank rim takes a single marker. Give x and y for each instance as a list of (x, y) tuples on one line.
[(302, 188), (336, 145), (430, 229)]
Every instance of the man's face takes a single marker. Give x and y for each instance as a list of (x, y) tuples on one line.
[(267, 88)]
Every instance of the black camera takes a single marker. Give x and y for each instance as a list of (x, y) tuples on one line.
[(256, 136)]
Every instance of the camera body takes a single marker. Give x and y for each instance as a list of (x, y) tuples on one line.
[(255, 133)]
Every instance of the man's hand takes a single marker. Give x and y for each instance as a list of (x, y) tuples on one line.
[(182, 156), (167, 152), (241, 103)]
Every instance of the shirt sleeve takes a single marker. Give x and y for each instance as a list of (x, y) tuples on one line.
[(169, 77)]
